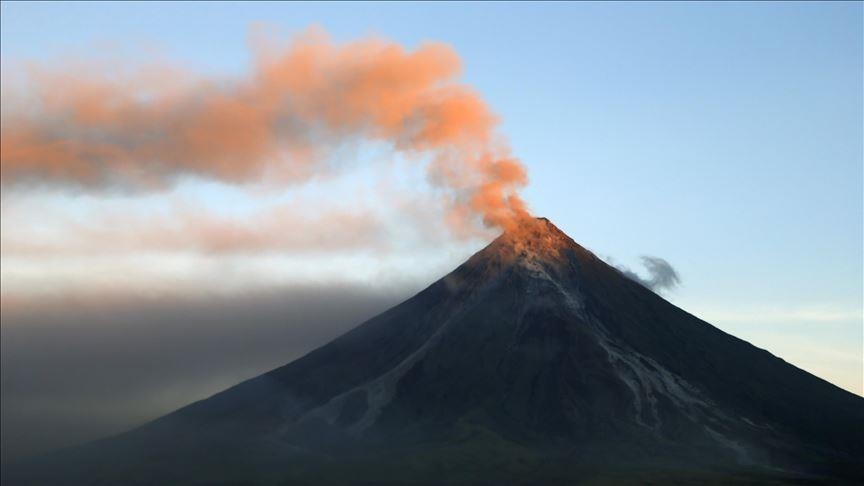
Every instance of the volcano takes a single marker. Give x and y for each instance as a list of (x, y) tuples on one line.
[(534, 362)]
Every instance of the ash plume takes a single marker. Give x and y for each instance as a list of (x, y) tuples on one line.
[(281, 123)]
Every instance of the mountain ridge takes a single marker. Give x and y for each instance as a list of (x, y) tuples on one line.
[(534, 359)]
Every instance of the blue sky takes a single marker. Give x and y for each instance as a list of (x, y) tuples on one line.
[(723, 137)]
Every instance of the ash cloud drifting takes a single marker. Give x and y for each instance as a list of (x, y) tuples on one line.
[(282, 123), (281, 228), (81, 367), (661, 275)]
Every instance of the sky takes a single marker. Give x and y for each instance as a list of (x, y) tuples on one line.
[(724, 138)]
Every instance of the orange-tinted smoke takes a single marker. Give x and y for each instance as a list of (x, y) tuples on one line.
[(278, 124)]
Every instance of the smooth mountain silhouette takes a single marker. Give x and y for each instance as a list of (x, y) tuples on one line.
[(533, 362)]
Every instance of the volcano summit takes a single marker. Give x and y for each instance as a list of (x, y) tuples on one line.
[(533, 362)]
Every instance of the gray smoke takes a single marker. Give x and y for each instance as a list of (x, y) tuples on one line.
[(76, 371), (661, 275)]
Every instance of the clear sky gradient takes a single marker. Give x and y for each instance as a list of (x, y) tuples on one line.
[(723, 137)]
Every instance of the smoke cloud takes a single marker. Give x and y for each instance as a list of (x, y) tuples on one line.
[(284, 122), (192, 229), (80, 367), (661, 275)]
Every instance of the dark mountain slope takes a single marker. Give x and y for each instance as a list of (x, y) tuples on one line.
[(534, 361)]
